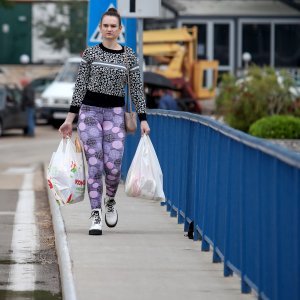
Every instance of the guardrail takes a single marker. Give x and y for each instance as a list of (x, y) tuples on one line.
[(240, 193)]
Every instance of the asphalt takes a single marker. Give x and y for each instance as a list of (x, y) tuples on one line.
[(145, 257), (28, 261)]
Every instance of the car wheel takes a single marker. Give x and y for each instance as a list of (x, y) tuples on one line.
[(25, 130)]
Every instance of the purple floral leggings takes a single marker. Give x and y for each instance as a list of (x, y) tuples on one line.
[(102, 133)]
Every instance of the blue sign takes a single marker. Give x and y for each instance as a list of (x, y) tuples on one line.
[(96, 9)]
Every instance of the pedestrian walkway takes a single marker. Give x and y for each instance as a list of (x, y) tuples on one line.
[(145, 257)]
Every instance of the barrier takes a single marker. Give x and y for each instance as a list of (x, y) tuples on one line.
[(240, 192)]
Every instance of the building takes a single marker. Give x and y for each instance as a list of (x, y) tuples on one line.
[(22, 23), (267, 29)]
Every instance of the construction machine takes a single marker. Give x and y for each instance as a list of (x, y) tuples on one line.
[(175, 51)]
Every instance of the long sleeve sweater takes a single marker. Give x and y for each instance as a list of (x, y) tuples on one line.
[(102, 77)]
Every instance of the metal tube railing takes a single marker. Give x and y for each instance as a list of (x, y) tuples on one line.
[(240, 192)]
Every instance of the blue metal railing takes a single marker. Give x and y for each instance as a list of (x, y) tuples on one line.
[(240, 192)]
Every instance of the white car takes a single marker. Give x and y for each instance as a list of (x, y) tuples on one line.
[(56, 99)]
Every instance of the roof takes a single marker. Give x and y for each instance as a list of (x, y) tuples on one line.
[(231, 8)]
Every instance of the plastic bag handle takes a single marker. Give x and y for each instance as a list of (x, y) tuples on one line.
[(62, 145), (70, 147)]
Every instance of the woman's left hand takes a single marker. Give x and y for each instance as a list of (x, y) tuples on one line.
[(145, 129)]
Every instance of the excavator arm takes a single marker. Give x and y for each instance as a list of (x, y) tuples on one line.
[(172, 54), (177, 49)]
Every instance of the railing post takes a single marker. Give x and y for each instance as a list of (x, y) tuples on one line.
[(245, 288), (227, 271), (216, 257)]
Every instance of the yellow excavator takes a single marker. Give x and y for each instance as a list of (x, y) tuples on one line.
[(175, 51)]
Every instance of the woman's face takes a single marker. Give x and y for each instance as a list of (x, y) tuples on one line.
[(110, 28)]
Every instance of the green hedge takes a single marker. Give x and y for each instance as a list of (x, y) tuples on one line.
[(276, 127)]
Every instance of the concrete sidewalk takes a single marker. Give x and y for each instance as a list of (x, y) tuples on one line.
[(145, 257)]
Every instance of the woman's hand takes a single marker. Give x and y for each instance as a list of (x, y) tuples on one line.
[(66, 128), (145, 129)]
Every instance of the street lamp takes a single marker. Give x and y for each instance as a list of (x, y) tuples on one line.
[(24, 59), (247, 58)]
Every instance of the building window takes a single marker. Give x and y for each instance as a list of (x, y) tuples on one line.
[(287, 45), (221, 43), (257, 41), (202, 39)]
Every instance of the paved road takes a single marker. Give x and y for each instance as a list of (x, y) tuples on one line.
[(28, 263), (17, 150)]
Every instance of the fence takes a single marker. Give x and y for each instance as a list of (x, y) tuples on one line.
[(240, 192)]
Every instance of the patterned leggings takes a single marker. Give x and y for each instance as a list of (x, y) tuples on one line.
[(102, 133)]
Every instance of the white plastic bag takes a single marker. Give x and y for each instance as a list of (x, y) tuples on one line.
[(144, 178), (66, 173)]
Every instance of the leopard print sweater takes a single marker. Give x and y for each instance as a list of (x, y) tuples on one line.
[(102, 78)]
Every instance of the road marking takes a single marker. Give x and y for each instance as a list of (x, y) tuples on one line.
[(24, 240), (27, 183)]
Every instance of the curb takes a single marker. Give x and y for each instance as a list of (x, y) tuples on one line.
[(62, 250)]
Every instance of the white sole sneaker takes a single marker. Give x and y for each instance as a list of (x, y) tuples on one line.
[(108, 222), (96, 227), (111, 213)]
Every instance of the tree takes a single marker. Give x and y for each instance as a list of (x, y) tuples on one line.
[(65, 27), (5, 3)]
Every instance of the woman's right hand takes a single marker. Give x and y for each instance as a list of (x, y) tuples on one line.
[(66, 129)]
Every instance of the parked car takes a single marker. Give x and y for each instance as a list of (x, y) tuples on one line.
[(39, 85), (12, 114), (56, 99)]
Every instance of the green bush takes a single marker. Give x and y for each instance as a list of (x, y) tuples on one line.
[(259, 94), (276, 127)]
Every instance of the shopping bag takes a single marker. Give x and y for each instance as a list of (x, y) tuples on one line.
[(144, 178), (66, 173)]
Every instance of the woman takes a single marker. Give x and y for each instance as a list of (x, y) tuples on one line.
[(99, 99)]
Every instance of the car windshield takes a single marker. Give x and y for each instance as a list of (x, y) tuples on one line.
[(69, 72), (40, 84)]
